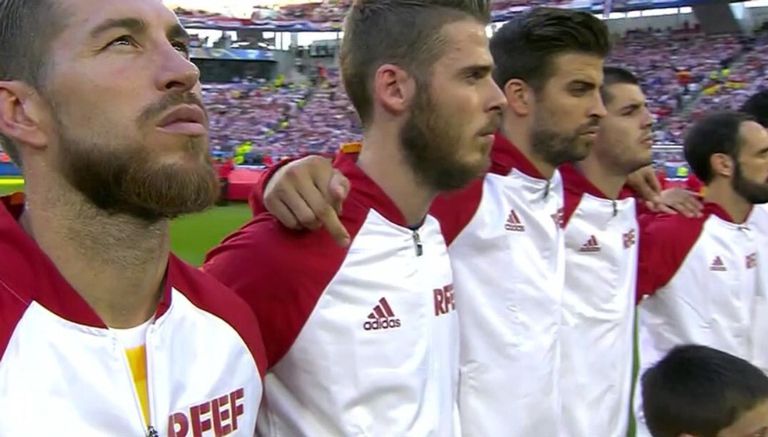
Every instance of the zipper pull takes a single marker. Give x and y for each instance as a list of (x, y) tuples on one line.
[(417, 242), (615, 208), (152, 432), (546, 190)]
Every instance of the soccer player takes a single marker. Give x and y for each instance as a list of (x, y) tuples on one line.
[(703, 276), (505, 231), (102, 330), (757, 107), (364, 340), (601, 236), (697, 391)]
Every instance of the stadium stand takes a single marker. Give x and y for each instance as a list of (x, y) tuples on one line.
[(676, 67), (745, 77), (684, 72), (673, 66)]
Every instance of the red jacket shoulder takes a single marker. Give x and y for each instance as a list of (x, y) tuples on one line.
[(665, 241), (280, 273)]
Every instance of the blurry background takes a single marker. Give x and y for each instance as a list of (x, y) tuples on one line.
[(273, 89)]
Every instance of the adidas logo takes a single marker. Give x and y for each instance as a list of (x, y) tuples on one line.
[(513, 223), (717, 265), (382, 317), (629, 239), (591, 245), (559, 218)]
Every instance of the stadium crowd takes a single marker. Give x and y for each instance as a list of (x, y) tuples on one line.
[(274, 121), (333, 11), (674, 65), (684, 72), (730, 87)]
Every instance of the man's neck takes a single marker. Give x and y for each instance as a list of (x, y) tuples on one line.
[(519, 134), (383, 161), (115, 262), (721, 193), (608, 181)]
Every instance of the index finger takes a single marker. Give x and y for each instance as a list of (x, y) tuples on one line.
[(333, 225)]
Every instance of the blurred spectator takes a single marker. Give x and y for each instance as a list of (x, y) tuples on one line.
[(674, 67), (262, 123), (684, 72)]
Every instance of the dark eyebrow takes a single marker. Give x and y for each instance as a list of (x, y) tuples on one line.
[(133, 25), (177, 32), (585, 83), (484, 69), (136, 25), (633, 107)]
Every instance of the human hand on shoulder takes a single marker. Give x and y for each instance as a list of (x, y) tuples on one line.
[(308, 194)]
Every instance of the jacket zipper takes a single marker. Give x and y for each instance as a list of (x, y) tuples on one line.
[(417, 243), (127, 367), (151, 431)]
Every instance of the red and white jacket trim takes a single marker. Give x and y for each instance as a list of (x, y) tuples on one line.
[(507, 250), (601, 240), (702, 281), (63, 372), (361, 340)]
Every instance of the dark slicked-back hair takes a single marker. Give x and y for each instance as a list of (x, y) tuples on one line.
[(616, 76), (700, 391), (27, 29), (406, 33), (524, 48), (718, 132), (757, 107)]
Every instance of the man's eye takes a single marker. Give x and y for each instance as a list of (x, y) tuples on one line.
[(122, 41), (181, 46)]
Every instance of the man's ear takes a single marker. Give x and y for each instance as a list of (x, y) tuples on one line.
[(722, 164), (519, 96), (21, 112), (393, 89)]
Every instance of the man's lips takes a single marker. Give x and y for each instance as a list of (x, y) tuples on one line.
[(185, 120)]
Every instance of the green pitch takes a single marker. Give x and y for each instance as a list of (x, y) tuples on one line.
[(191, 236)]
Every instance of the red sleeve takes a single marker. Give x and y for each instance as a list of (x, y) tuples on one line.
[(256, 199), (642, 210), (280, 273), (665, 241), (454, 210)]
